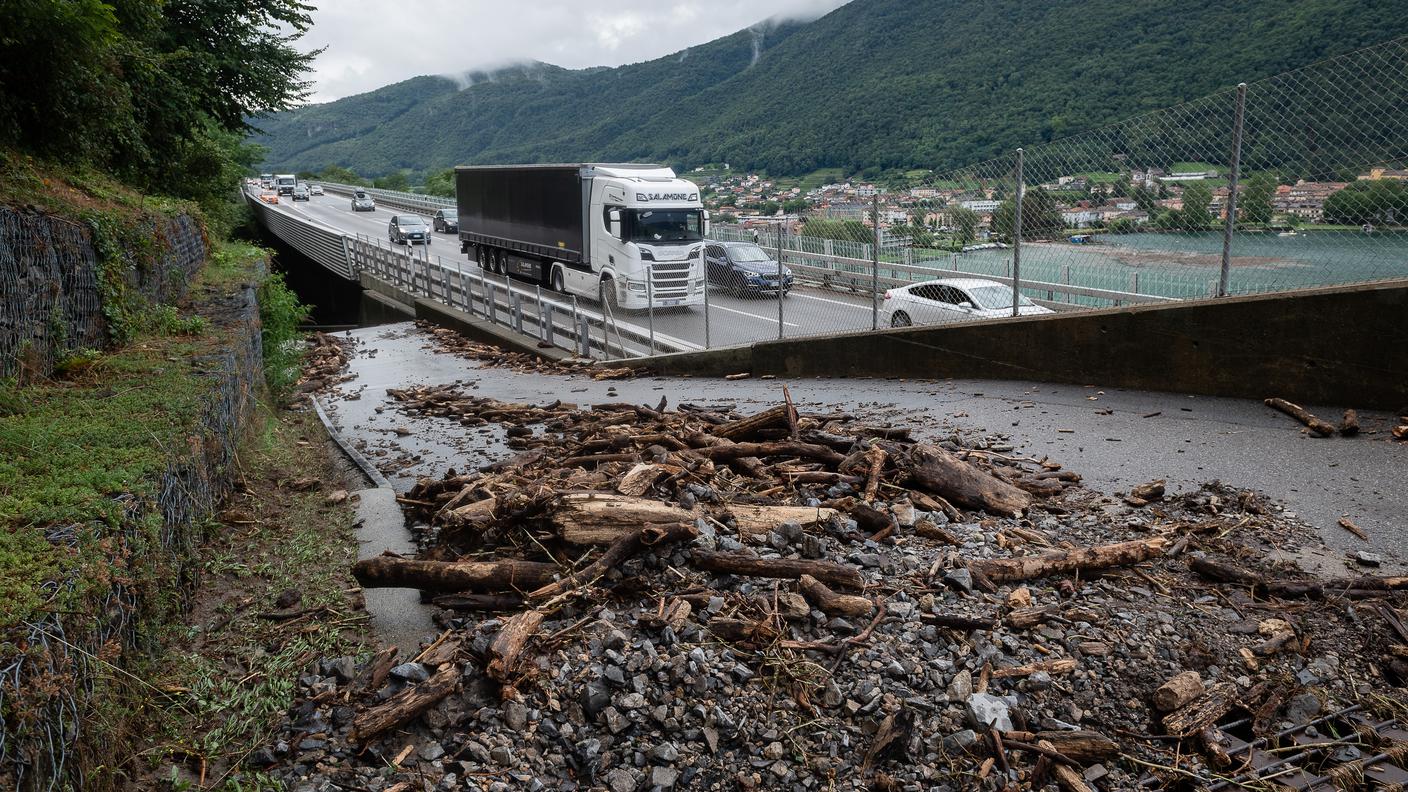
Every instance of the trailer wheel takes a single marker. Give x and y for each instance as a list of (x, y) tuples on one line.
[(558, 285)]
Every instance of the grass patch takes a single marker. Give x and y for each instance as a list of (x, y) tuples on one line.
[(231, 675)]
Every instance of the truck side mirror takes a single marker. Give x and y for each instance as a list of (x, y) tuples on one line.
[(613, 223), (706, 222)]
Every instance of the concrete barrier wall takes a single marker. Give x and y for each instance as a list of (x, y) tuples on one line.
[(1337, 345)]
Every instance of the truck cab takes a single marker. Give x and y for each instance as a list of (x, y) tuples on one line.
[(647, 243), (285, 183)]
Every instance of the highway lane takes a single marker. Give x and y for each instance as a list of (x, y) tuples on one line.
[(732, 320)]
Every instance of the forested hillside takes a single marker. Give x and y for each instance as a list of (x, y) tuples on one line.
[(886, 83)]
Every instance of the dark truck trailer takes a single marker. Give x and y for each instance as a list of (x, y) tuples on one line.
[(538, 211)]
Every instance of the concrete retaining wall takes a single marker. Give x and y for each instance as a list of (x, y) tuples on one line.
[(1335, 345)]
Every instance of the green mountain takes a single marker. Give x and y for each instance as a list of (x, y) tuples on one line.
[(884, 83)]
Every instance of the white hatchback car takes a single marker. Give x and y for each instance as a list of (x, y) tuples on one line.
[(952, 300)]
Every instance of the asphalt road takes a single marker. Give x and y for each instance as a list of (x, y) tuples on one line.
[(1102, 434), (732, 320)]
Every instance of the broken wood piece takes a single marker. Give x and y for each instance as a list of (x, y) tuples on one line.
[(601, 517), (393, 571), (891, 739), (479, 602), (405, 706), (1349, 525), (639, 479), (737, 563), (1178, 691), (1067, 778), (943, 474), (1026, 618), (747, 427), (1080, 746), (754, 520), (1203, 711), (506, 651), (1064, 665), (1226, 572), (929, 530), (457, 515), (1318, 427), (1349, 425), (1081, 559), (1146, 493), (728, 451), (624, 547), (876, 456), (830, 602), (743, 631), (673, 615)]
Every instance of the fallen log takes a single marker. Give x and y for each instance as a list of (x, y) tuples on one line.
[(729, 451), (1178, 691), (1203, 711), (736, 563), (832, 603), (1081, 746), (1226, 572), (1318, 427), (1082, 559), (877, 456), (506, 651), (599, 459), (393, 571), (943, 474), (407, 705), (753, 520), (742, 631), (639, 479), (602, 517), (744, 427), (1026, 618), (624, 547), (479, 602)]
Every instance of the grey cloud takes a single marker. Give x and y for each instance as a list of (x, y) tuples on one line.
[(371, 44)]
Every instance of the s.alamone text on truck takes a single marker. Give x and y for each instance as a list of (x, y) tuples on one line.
[(625, 234)]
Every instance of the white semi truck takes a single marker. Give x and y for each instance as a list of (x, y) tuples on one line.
[(625, 234), (285, 182)]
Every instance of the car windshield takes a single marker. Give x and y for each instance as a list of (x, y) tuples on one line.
[(748, 253), (995, 296), (669, 225), (410, 222)]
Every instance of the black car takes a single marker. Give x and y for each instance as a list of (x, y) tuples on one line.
[(362, 202), (745, 268), (446, 221), (408, 230)]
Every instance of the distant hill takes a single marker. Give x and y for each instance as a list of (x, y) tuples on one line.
[(883, 83)]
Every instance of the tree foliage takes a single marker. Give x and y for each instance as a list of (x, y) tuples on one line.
[(159, 92), (1376, 202), (1041, 218), (1195, 215)]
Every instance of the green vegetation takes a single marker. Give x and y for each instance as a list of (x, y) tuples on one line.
[(155, 93), (1376, 202), (889, 85), (275, 538)]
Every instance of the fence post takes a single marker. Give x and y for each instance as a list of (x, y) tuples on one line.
[(704, 267), (1231, 223), (875, 263), (649, 298), (491, 310), (1017, 242), (779, 278), (577, 324), (584, 334), (515, 307)]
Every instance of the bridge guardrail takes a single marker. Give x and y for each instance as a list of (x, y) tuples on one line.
[(411, 202), (320, 243), (553, 319)]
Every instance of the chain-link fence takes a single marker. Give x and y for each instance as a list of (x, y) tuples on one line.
[(1288, 183)]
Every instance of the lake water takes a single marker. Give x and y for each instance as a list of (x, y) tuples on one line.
[(1188, 265)]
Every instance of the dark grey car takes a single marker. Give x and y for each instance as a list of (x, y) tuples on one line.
[(745, 268), (445, 221), (408, 230)]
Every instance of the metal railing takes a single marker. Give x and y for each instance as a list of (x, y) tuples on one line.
[(411, 202)]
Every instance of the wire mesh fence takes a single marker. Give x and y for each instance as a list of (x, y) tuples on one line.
[(1287, 183)]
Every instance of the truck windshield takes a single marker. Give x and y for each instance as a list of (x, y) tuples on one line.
[(667, 225)]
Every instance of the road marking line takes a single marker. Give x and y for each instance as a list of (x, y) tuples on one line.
[(769, 319), (826, 300)]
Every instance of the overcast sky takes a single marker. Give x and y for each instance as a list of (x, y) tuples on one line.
[(371, 44)]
